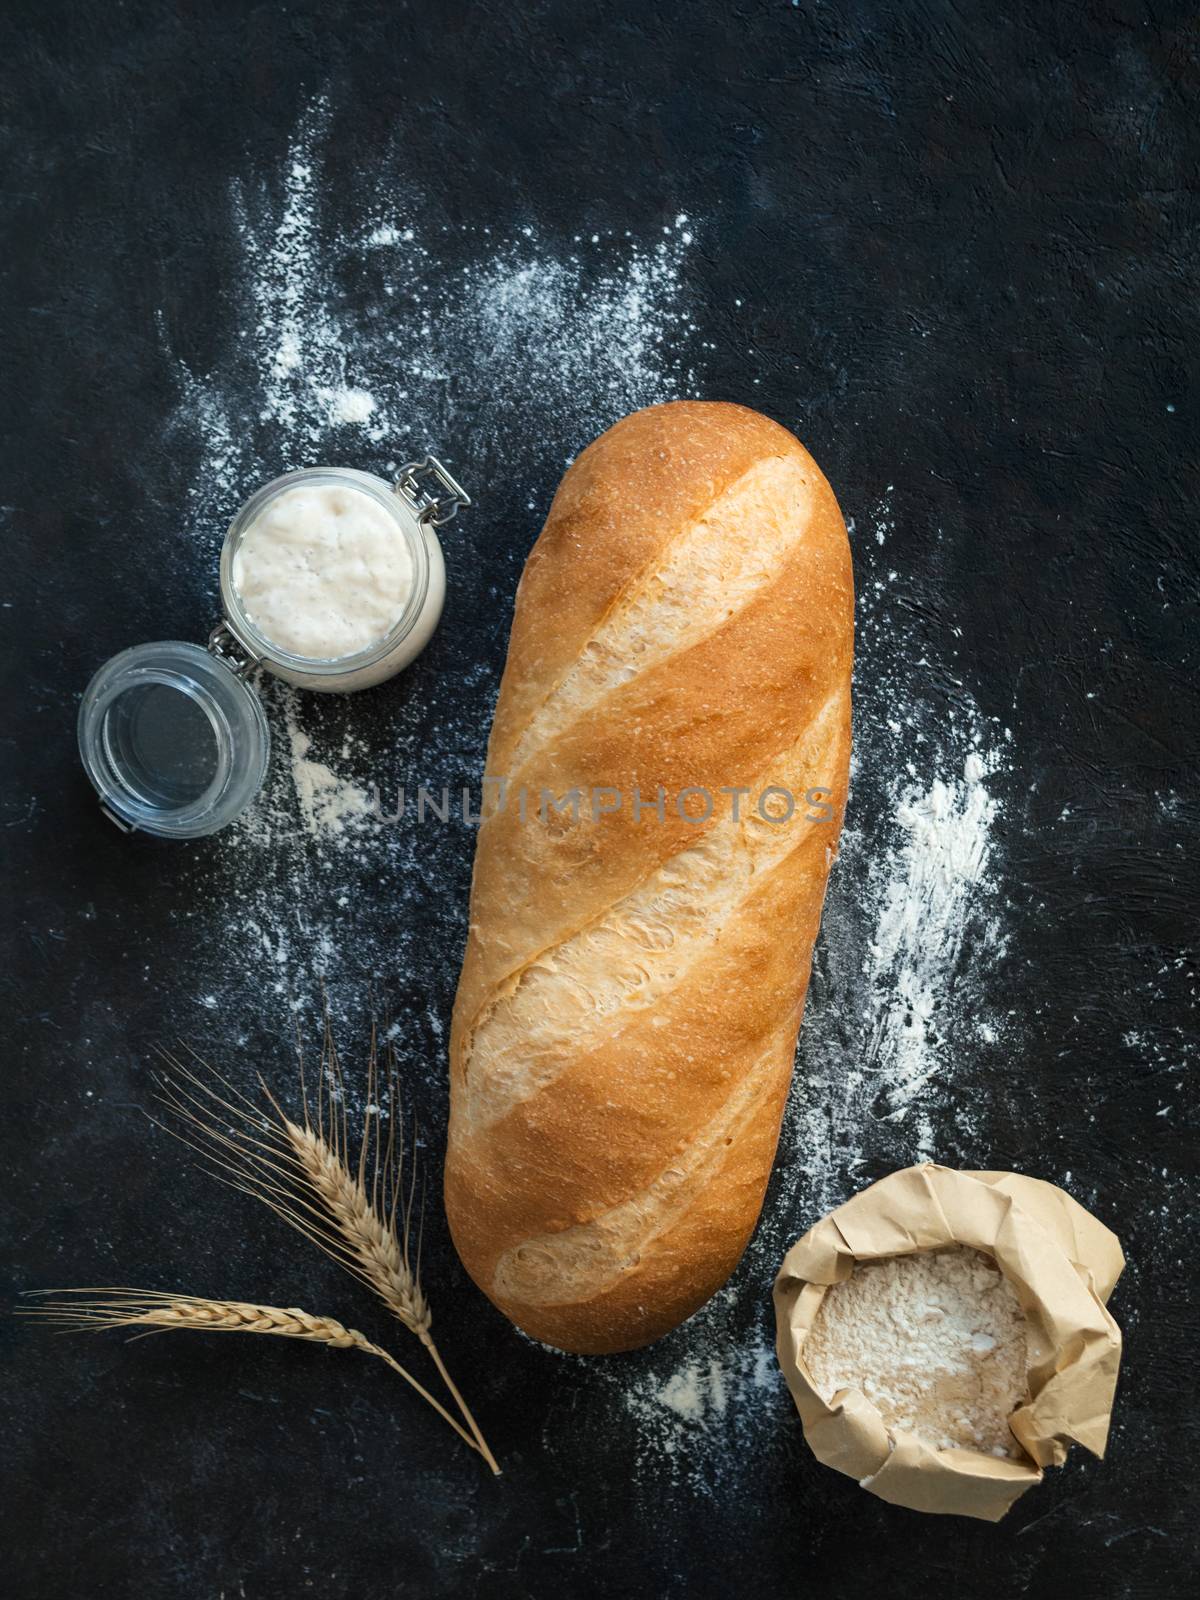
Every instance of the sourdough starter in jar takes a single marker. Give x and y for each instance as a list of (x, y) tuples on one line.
[(331, 580), (323, 572)]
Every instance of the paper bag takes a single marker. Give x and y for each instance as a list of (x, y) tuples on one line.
[(1061, 1262)]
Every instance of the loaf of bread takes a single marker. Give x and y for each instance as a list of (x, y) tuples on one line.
[(637, 959)]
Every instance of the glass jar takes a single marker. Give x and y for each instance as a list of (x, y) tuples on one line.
[(172, 736), (384, 657)]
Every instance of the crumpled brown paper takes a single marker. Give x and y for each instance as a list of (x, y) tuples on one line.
[(1062, 1263)]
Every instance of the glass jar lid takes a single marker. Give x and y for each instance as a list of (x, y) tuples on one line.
[(175, 743)]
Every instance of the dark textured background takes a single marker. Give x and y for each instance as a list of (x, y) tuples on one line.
[(965, 241)]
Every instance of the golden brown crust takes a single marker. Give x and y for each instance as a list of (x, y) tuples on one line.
[(604, 1189)]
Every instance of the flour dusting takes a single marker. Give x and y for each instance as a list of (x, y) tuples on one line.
[(915, 926), (689, 1412), (928, 891), (471, 340), (328, 804)]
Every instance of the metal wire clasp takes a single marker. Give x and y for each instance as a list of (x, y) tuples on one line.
[(230, 651), (429, 505)]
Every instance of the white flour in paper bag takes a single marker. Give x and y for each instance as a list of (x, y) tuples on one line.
[(936, 1341)]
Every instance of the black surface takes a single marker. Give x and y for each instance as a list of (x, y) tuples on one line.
[(964, 240)]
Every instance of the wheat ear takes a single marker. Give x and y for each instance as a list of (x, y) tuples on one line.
[(359, 1211), (129, 1308)]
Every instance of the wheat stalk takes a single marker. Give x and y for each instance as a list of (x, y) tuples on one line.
[(358, 1211), (379, 1256), (128, 1308)]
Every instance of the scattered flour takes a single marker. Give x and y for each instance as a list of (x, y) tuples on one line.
[(915, 926), (328, 804), (716, 1392), (925, 892), (347, 405), (475, 346), (696, 1390), (935, 1340)]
